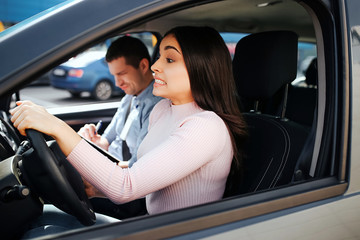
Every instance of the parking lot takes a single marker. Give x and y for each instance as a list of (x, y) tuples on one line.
[(49, 97)]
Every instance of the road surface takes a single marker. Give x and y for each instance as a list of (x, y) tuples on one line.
[(49, 97)]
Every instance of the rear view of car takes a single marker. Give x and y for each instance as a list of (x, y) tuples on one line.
[(86, 72)]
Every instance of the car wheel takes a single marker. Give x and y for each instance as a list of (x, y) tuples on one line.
[(103, 90)]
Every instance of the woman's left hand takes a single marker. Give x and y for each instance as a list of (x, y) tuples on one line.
[(28, 115)]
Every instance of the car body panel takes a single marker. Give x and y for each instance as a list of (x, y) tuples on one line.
[(329, 219), (353, 28)]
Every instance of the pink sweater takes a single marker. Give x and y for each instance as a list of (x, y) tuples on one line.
[(183, 161)]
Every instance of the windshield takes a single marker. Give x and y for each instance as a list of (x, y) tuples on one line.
[(33, 19)]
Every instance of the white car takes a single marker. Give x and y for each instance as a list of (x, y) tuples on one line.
[(302, 167)]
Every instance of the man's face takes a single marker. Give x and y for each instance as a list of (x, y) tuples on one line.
[(131, 80)]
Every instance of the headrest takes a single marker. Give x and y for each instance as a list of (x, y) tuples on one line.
[(264, 62), (311, 73)]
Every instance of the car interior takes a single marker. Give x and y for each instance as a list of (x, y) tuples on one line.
[(280, 138), (283, 92)]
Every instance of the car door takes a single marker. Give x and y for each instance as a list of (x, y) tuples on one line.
[(322, 205)]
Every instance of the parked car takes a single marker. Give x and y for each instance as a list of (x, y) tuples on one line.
[(301, 177), (86, 72)]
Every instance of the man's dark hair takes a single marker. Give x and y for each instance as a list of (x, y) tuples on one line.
[(132, 49)]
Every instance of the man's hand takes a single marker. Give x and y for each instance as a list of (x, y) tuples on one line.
[(88, 131)]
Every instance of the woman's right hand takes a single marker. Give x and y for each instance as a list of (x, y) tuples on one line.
[(91, 191)]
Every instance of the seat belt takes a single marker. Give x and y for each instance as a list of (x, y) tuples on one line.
[(302, 168), (130, 116)]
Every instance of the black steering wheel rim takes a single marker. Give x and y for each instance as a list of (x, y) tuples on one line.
[(56, 180)]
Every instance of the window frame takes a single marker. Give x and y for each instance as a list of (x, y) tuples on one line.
[(256, 205)]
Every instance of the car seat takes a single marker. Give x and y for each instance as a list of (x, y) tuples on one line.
[(263, 65), (302, 100)]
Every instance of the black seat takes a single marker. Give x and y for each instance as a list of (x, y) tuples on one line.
[(302, 100), (311, 74), (264, 64)]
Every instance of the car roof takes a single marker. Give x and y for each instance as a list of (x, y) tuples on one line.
[(59, 32)]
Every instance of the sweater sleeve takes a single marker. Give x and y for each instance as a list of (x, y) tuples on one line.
[(197, 141)]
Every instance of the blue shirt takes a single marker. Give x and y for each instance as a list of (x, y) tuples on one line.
[(144, 103)]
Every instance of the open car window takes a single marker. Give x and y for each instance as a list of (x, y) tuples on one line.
[(82, 79)]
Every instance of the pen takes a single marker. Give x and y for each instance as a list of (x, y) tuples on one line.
[(98, 126)]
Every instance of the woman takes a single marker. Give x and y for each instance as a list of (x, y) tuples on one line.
[(194, 134)]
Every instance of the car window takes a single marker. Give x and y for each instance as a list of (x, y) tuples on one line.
[(231, 39), (82, 79), (306, 53)]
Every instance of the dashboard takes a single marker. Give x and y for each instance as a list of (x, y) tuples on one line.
[(9, 140)]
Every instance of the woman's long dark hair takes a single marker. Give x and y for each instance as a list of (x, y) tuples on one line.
[(208, 63)]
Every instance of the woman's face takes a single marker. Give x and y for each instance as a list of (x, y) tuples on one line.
[(171, 76)]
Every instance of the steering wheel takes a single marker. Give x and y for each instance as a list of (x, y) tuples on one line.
[(54, 179)]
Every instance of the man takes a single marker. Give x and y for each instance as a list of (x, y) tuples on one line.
[(129, 62)]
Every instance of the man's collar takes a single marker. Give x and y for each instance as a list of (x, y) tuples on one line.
[(146, 91)]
